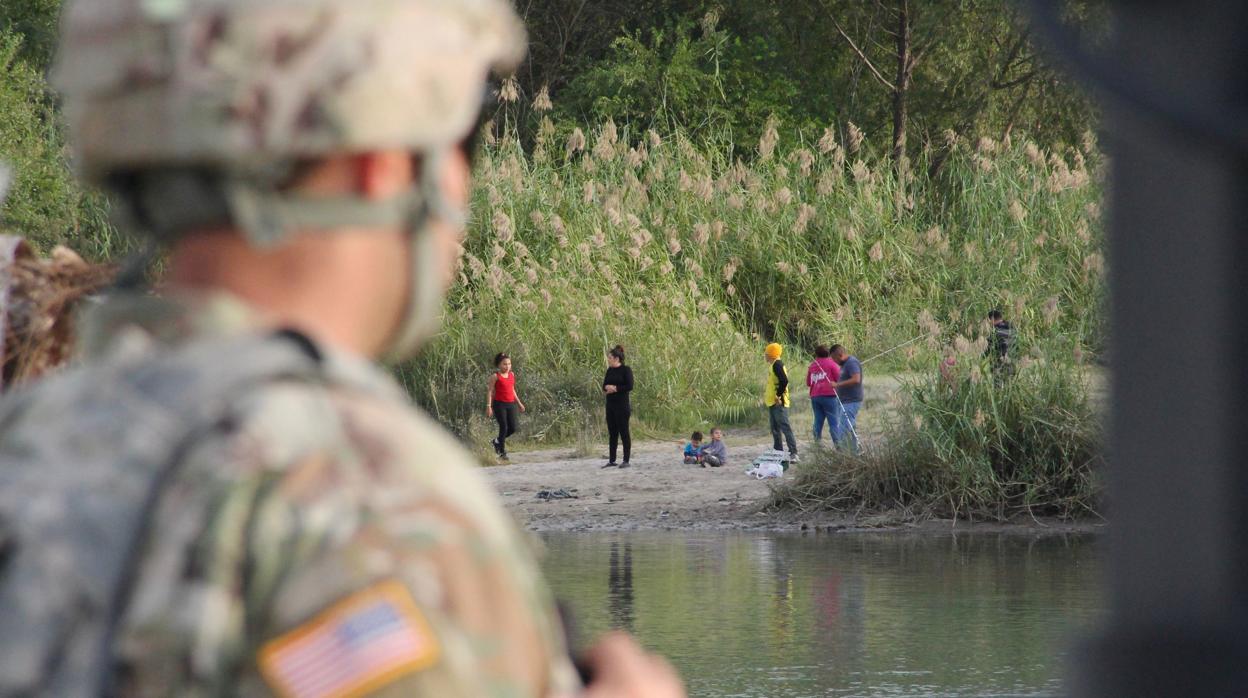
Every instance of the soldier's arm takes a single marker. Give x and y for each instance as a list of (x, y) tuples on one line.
[(404, 595)]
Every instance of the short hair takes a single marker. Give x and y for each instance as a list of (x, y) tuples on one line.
[(697, 436), (500, 357), (822, 351), (836, 349), (717, 429), (995, 314)]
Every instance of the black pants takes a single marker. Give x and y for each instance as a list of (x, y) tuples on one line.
[(617, 427), (778, 416), (507, 414)]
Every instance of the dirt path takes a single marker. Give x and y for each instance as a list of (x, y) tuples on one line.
[(658, 491)]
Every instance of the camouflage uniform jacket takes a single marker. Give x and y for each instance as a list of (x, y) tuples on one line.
[(322, 539)]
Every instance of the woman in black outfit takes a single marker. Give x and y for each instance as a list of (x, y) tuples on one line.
[(616, 385)]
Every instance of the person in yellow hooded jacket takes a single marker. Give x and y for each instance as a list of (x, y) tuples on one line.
[(776, 398)]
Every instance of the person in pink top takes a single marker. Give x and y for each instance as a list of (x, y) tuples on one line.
[(503, 404), (821, 378)]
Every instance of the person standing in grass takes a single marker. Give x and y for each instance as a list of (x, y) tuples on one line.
[(503, 404), (776, 398), (616, 385), (849, 390), (821, 378), (1002, 337), (999, 344)]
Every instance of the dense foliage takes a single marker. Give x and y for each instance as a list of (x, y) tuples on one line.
[(905, 74), (44, 203), (971, 444), (716, 67), (690, 258)]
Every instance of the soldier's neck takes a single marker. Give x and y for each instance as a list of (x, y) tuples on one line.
[(313, 285)]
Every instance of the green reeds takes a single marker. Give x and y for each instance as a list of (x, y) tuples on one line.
[(693, 255), (970, 442)]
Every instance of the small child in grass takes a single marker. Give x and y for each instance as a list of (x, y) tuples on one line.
[(693, 449), (715, 453)]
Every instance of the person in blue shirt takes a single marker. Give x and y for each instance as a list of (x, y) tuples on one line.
[(693, 449), (849, 389)]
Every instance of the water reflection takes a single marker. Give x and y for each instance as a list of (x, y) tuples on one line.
[(620, 587), (838, 615)]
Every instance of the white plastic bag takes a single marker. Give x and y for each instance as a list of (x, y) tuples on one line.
[(767, 469), (769, 464)]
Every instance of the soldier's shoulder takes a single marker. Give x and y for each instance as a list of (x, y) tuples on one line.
[(355, 432), (77, 403), (355, 412)]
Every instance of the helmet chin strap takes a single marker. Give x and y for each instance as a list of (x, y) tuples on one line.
[(426, 285), (268, 217)]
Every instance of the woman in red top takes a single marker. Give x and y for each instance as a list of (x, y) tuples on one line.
[(503, 405)]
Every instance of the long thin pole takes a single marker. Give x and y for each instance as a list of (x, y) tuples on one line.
[(849, 423), (899, 346)]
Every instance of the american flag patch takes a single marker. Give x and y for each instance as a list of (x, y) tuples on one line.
[(356, 646)]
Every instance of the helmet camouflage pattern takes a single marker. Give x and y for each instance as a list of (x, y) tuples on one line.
[(240, 84), (247, 88)]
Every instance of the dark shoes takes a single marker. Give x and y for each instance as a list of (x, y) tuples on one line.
[(498, 448), (624, 465), (611, 464)]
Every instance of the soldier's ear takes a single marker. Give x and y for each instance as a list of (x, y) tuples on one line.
[(383, 174)]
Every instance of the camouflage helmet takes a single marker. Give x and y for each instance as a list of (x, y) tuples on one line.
[(241, 83), (246, 89)]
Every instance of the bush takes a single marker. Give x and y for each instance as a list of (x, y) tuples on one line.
[(971, 443)]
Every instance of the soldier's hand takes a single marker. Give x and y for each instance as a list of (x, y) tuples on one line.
[(622, 669)]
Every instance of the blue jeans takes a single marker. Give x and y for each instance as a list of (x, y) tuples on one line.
[(851, 423), (829, 408)]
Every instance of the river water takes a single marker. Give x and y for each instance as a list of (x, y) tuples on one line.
[(874, 614)]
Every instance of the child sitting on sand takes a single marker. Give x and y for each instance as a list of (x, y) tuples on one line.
[(715, 453), (693, 449)]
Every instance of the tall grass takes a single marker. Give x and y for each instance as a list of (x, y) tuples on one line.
[(693, 255), (45, 205)]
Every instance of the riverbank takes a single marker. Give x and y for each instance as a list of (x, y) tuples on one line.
[(661, 493)]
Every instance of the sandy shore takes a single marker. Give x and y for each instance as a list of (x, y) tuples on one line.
[(661, 493), (657, 492)]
